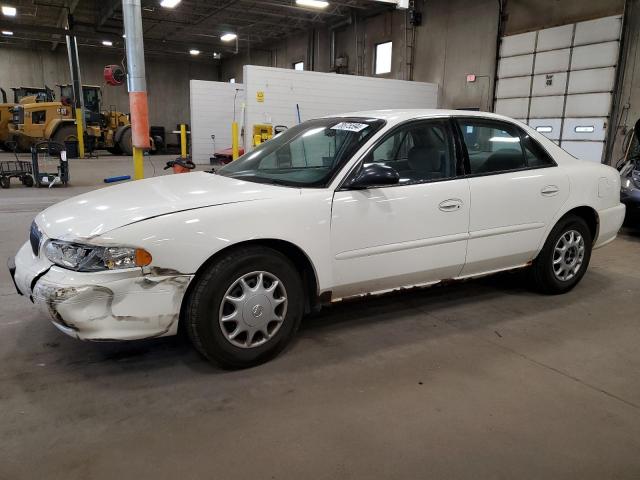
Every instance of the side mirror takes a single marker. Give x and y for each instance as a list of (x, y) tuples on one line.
[(375, 174)]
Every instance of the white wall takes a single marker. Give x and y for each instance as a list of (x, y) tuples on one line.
[(212, 111), (319, 94)]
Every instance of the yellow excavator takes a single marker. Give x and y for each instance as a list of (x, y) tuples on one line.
[(109, 130), (20, 95)]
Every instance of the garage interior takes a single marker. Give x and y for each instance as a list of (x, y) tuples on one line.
[(477, 379)]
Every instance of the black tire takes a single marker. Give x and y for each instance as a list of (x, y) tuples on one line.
[(65, 133), (126, 142), (5, 182), (27, 180), (542, 270), (115, 150), (205, 302)]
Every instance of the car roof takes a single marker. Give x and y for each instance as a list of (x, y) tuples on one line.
[(401, 115)]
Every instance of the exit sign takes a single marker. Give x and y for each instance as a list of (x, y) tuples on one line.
[(471, 78)]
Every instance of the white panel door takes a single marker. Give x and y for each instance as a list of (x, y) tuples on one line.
[(549, 127), (594, 56), (515, 66), (549, 84), (597, 31), (518, 44), (589, 151), (552, 61), (574, 72), (554, 38), (513, 87), (588, 129), (588, 105), (593, 80), (513, 107), (546, 107)]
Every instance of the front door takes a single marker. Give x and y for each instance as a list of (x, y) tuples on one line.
[(411, 233)]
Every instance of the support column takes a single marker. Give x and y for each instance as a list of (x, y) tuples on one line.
[(136, 83)]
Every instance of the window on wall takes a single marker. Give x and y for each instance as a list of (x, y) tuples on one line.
[(232, 80), (298, 66), (383, 58)]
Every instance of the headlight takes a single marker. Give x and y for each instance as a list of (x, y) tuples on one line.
[(91, 258)]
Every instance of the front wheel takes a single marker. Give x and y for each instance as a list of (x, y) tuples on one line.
[(564, 258), (245, 308)]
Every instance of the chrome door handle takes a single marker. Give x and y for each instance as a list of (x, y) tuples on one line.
[(550, 190), (450, 205)]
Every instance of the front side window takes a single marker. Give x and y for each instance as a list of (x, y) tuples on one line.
[(499, 147), (307, 155), (419, 152)]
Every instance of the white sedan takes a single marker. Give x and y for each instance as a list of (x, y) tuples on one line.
[(332, 208)]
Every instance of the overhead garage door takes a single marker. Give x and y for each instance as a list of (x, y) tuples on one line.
[(560, 81)]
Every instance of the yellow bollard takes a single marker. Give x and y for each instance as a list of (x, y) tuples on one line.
[(80, 132), (235, 151), (138, 163), (183, 140)]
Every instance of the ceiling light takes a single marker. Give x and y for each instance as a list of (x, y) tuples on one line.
[(9, 11), (227, 37), (313, 3), (124, 35), (107, 43), (193, 51), (169, 3), (7, 32), (216, 55)]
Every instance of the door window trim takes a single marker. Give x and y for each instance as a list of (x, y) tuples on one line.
[(521, 135), (451, 134)]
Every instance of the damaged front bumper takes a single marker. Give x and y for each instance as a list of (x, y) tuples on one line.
[(101, 306)]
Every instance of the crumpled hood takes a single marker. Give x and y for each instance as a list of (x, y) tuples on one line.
[(100, 211)]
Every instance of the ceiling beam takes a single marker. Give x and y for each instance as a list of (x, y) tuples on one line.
[(62, 20)]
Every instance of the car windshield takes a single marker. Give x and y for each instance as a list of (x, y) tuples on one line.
[(307, 155)]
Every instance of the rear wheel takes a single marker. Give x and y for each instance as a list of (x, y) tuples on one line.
[(126, 142), (245, 308), (565, 256)]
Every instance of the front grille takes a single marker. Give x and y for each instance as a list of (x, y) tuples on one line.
[(34, 238)]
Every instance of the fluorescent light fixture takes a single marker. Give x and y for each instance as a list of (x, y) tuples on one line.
[(585, 129), (312, 3), (193, 51), (107, 43), (9, 11), (504, 139), (7, 32), (544, 129), (227, 37), (169, 3)]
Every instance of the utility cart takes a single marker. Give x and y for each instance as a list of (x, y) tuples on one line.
[(48, 153), (15, 169)]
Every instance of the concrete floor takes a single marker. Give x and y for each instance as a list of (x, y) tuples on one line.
[(479, 380)]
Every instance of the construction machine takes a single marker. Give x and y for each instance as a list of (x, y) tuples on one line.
[(20, 95), (105, 129)]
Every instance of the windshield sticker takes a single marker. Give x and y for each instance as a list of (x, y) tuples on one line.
[(350, 127)]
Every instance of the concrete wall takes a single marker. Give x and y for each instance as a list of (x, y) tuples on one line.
[(167, 80)]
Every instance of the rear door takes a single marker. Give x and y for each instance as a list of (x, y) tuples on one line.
[(515, 191)]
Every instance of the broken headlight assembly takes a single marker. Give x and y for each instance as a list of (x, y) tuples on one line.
[(92, 258)]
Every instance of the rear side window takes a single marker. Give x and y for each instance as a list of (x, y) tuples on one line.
[(500, 147)]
